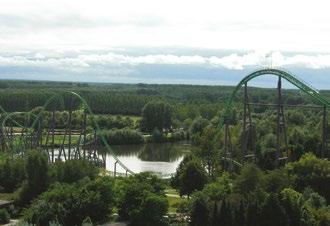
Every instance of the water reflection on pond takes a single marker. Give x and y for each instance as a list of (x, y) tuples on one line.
[(160, 158)]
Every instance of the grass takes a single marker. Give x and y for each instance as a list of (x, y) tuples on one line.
[(173, 198), (173, 203), (171, 191), (58, 139)]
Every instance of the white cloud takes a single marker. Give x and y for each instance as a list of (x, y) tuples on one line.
[(83, 61)]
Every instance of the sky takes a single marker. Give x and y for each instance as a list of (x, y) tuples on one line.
[(190, 42)]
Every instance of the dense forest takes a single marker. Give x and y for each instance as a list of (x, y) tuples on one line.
[(129, 99)]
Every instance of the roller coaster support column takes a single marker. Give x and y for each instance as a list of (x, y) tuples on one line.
[(227, 145), (94, 143), (278, 132), (53, 133), (244, 146), (70, 131), (281, 129), (38, 138), (324, 133), (85, 131)]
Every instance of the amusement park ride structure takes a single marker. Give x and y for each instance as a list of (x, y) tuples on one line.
[(37, 135)]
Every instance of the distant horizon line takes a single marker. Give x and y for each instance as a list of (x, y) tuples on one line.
[(142, 83)]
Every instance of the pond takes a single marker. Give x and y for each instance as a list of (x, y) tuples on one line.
[(160, 158)]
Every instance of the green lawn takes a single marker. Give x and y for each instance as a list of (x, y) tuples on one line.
[(58, 139), (173, 198), (173, 203)]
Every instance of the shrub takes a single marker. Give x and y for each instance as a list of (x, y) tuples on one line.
[(37, 177), (110, 122), (141, 200), (74, 170), (122, 136), (4, 216), (12, 174), (177, 136), (151, 212), (71, 204)]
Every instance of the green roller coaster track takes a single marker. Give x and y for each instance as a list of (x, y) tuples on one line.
[(294, 80), (301, 85)]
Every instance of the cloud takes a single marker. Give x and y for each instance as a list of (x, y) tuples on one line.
[(102, 63), (212, 24), (79, 61)]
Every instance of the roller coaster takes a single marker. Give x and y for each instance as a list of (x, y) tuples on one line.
[(280, 124), (16, 136)]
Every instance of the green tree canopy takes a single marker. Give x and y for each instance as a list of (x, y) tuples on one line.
[(313, 172), (156, 114)]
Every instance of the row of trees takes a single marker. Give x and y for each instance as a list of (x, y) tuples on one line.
[(294, 195), (61, 120), (73, 192), (257, 194), (190, 101)]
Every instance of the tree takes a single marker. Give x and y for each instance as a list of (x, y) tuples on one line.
[(225, 214), (307, 218), (139, 194), (198, 125), (71, 204), (313, 199), (219, 189), (156, 114), (151, 212), (4, 216), (73, 170), (37, 177), (157, 136), (272, 213), (189, 177), (290, 200), (208, 152), (252, 212), (199, 212), (12, 174), (276, 180), (312, 172), (240, 214), (250, 180)]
